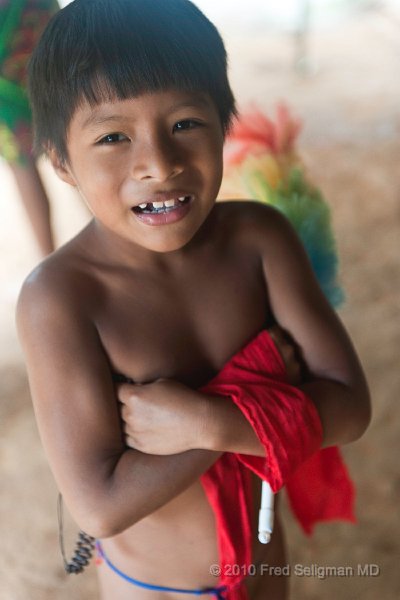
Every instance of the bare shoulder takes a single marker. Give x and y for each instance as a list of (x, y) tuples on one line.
[(250, 213), (60, 287), (267, 235), (272, 238), (255, 223)]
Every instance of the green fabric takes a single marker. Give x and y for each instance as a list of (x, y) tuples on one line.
[(21, 24), (10, 16), (14, 104)]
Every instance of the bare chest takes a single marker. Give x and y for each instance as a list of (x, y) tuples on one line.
[(183, 326)]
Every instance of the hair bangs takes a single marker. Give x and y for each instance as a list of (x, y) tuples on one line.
[(104, 50)]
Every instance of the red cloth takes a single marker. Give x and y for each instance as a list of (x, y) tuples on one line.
[(287, 424)]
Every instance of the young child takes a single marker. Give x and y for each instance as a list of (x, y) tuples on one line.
[(131, 103)]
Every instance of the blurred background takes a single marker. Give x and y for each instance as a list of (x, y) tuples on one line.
[(336, 63)]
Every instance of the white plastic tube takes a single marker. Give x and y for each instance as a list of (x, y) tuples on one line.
[(266, 514)]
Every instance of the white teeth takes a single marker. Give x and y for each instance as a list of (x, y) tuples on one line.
[(169, 203), (166, 204)]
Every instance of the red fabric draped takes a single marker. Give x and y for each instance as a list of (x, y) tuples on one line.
[(287, 424)]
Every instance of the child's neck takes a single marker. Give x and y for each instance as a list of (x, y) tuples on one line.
[(113, 249)]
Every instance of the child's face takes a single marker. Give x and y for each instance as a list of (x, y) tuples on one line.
[(163, 148)]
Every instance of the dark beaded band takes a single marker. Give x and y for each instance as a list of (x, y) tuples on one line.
[(84, 546)]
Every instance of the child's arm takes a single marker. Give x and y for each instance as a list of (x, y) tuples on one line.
[(335, 382), (167, 417), (107, 487)]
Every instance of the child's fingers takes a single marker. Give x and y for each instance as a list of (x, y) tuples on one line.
[(125, 391), (127, 432), (130, 442), (287, 349), (125, 412)]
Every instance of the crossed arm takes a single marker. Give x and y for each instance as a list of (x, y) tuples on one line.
[(106, 485), (334, 380), (166, 417), (109, 486)]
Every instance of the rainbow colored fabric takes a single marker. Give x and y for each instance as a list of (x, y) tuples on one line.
[(261, 163), (21, 24)]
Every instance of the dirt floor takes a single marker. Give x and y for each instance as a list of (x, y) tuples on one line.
[(350, 105)]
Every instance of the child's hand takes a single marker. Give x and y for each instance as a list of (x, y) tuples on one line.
[(289, 353), (164, 417)]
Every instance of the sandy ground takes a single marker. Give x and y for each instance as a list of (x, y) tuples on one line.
[(350, 106)]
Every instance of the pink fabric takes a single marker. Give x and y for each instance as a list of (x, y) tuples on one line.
[(287, 424)]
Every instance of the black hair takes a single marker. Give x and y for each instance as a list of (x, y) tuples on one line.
[(100, 50)]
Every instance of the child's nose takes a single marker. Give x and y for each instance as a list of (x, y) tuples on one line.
[(157, 159)]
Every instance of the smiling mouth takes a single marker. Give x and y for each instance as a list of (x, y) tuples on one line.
[(159, 208)]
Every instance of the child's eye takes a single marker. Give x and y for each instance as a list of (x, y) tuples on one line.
[(113, 138), (186, 124)]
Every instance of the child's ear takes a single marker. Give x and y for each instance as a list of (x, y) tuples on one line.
[(61, 167)]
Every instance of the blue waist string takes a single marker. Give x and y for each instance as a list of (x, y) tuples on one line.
[(217, 592)]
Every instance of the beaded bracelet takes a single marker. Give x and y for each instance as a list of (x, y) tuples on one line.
[(84, 546)]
